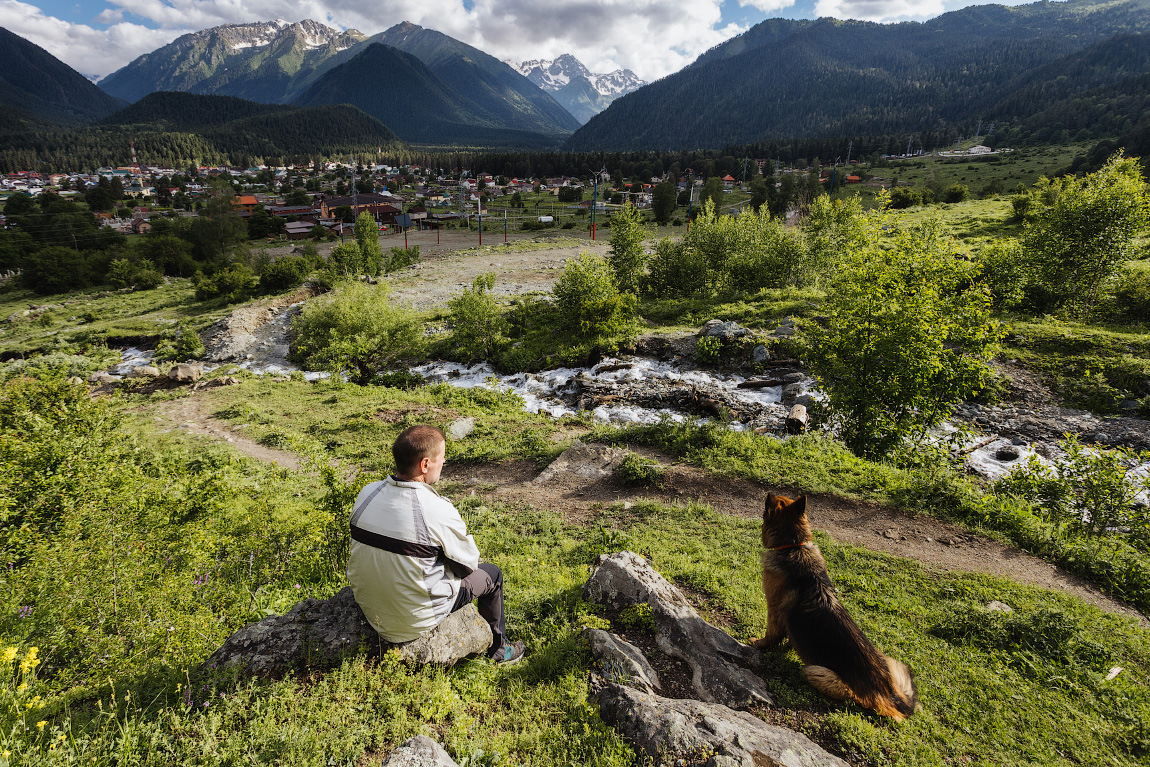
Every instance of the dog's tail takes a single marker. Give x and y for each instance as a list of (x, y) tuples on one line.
[(903, 700)]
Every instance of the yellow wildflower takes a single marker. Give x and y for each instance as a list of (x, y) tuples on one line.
[(8, 655), (30, 660), (40, 724)]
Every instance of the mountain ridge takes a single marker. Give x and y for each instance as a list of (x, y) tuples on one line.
[(581, 92)]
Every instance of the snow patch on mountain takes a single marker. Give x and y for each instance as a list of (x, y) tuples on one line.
[(553, 74)]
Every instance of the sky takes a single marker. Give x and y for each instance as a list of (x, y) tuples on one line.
[(653, 38)]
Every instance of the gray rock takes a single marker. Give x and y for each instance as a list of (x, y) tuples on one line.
[(723, 330), (590, 461), (667, 730), (722, 667), (420, 751), (185, 373), (102, 377), (999, 607), (806, 400), (318, 633), (75, 380), (791, 392), (143, 371), (1129, 405), (1006, 453), (461, 427), (620, 661), (760, 354)]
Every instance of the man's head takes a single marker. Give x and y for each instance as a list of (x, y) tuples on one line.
[(419, 452)]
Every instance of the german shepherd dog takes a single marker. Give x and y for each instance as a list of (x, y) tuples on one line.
[(838, 660)]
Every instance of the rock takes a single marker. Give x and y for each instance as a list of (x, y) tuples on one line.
[(461, 427), (102, 377), (806, 400), (793, 377), (723, 330), (1129, 405), (215, 383), (786, 328), (760, 354), (791, 392), (1006, 453), (143, 371), (75, 380), (590, 461), (797, 420), (420, 751), (666, 729), (999, 607), (722, 668), (318, 633), (185, 373), (621, 662)]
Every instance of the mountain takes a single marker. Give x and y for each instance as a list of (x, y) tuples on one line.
[(825, 77), (505, 95), (36, 87), (579, 91), (268, 61), (178, 129)]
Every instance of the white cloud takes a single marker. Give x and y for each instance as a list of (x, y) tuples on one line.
[(767, 6), (880, 10), (87, 50)]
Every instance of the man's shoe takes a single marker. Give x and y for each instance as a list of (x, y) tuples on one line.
[(509, 653)]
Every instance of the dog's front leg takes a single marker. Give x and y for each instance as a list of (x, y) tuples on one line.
[(776, 631)]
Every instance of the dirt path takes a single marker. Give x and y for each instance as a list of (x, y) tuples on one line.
[(937, 544)]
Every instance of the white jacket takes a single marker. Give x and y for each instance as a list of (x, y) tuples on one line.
[(409, 550)]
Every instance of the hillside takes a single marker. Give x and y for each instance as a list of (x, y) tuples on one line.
[(36, 87), (177, 129), (831, 78)]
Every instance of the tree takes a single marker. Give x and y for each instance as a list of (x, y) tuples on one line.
[(1080, 240), (663, 200), (478, 326), (712, 190), (627, 255), (343, 213), (367, 237), (297, 197), (904, 338), (588, 300), (759, 193)]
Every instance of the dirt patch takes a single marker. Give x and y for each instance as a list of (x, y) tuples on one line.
[(937, 544)]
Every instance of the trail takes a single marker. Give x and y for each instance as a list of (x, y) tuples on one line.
[(938, 545)]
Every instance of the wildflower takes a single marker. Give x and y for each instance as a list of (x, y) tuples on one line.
[(297, 585), (8, 655), (40, 724), (30, 660)]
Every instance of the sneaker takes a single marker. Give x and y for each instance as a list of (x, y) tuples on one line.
[(509, 653)]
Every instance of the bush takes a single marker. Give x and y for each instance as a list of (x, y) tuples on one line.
[(141, 275), (283, 274), (1132, 297), (905, 198), (401, 258), (1090, 492), (589, 303), (356, 331), (709, 350), (478, 326), (232, 283), (185, 344), (637, 470), (956, 193)]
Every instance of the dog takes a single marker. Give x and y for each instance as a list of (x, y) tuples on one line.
[(838, 660)]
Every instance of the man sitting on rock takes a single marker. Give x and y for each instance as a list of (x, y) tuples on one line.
[(412, 562)]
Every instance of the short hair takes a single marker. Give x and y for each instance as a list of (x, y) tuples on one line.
[(414, 444)]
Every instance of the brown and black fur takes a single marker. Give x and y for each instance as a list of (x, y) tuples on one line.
[(838, 660)]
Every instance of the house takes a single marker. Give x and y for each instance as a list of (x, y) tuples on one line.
[(728, 182), (246, 203), (298, 230)]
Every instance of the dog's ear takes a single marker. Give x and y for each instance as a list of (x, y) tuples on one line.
[(799, 507)]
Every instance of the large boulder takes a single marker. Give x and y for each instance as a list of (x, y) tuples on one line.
[(671, 731), (726, 331), (723, 669), (318, 633), (620, 661), (587, 461), (185, 373), (420, 751)]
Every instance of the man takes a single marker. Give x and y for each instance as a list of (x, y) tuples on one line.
[(412, 562)]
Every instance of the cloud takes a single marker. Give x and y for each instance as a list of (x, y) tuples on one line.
[(767, 6), (87, 50), (879, 10)]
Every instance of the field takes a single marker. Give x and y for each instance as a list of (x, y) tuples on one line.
[(147, 522)]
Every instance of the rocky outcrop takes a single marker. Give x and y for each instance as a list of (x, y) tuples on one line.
[(723, 670), (185, 373), (318, 633), (724, 331), (588, 461), (621, 662), (689, 731), (420, 751)]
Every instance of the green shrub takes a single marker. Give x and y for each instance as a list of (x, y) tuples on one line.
[(589, 303), (956, 193), (185, 344), (283, 274), (355, 330), (478, 326), (401, 258), (637, 470), (709, 350), (1132, 297), (233, 283)]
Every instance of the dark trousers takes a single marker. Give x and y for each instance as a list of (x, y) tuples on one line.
[(486, 585)]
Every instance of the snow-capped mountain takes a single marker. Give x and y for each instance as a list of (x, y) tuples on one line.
[(583, 93), (265, 61)]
